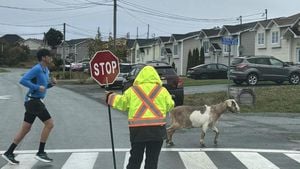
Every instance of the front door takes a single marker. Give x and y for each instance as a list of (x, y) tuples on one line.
[(298, 54)]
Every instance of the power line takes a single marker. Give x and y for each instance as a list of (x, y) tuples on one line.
[(19, 25), (47, 9)]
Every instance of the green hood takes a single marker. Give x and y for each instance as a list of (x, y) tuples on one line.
[(147, 75)]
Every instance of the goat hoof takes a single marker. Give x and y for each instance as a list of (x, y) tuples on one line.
[(216, 142), (203, 145)]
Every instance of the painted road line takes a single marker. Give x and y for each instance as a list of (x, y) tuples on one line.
[(196, 160), (5, 97), (81, 160), (295, 157), (254, 160), (126, 159), (27, 161), (163, 149)]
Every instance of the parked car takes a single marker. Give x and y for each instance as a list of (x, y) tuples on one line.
[(208, 71), (67, 66), (171, 81), (252, 69), (125, 68), (76, 66)]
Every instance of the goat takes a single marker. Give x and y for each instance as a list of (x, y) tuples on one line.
[(199, 116)]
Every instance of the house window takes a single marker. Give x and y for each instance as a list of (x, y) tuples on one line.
[(226, 48), (261, 38), (147, 51), (175, 49), (162, 51), (275, 37), (206, 46)]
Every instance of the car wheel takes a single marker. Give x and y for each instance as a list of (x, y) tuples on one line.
[(294, 78), (252, 79), (238, 82)]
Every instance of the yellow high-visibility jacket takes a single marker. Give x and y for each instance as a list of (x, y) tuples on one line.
[(144, 111)]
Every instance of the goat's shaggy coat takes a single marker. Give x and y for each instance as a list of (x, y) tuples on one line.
[(199, 116)]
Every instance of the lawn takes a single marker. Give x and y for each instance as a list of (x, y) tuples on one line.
[(192, 82), (3, 70), (283, 98)]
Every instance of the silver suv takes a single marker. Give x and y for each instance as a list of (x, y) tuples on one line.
[(252, 69)]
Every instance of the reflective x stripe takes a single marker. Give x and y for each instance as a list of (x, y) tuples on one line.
[(142, 109), (146, 101), (147, 122)]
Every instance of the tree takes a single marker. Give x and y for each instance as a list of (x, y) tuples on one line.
[(53, 38), (94, 46), (197, 57), (190, 59), (202, 57)]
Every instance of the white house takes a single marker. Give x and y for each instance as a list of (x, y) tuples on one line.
[(279, 37)]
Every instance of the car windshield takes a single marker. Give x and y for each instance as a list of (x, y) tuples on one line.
[(236, 61), (165, 71), (125, 68)]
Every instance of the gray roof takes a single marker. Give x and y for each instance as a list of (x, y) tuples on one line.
[(145, 42), (183, 36), (211, 32), (296, 31), (130, 43), (240, 27), (165, 38), (76, 41), (282, 21), (11, 38), (216, 46)]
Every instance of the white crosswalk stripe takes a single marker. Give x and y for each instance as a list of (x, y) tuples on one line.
[(27, 162), (254, 160), (202, 162), (81, 161), (187, 159), (295, 157)]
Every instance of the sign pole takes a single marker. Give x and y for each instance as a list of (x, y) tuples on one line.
[(111, 132)]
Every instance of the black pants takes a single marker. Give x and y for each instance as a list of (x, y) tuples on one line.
[(152, 153)]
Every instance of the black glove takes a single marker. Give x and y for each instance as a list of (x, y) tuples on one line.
[(107, 96)]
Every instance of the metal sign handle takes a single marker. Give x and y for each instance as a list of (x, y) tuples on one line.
[(111, 132)]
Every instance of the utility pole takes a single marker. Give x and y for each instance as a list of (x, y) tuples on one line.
[(241, 20), (137, 32), (266, 13), (63, 47), (115, 23), (148, 32)]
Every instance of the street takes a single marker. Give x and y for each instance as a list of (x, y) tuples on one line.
[(81, 137)]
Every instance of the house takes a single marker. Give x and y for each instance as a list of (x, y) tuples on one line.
[(76, 50), (11, 38), (143, 50), (130, 50), (211, 43), (181, 45), (279, 37), (34, 45), (162, 49)]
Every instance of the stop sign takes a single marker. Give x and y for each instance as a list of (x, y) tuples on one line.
[(104, 67)]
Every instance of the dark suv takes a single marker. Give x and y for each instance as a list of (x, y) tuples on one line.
[(171, 81), (252, 69)]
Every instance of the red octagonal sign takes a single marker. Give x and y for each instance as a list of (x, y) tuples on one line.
[(104, 67)]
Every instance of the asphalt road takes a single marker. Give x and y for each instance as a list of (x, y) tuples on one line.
[(82, 128)]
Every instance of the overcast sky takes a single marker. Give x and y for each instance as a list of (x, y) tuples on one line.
[(30, 18)]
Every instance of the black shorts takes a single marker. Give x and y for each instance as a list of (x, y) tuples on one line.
[(35, 108)]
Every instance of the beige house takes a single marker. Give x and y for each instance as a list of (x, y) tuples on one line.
[(76, 50), (279, 37)]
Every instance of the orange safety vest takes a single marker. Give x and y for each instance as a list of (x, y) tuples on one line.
[(158, 119)]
